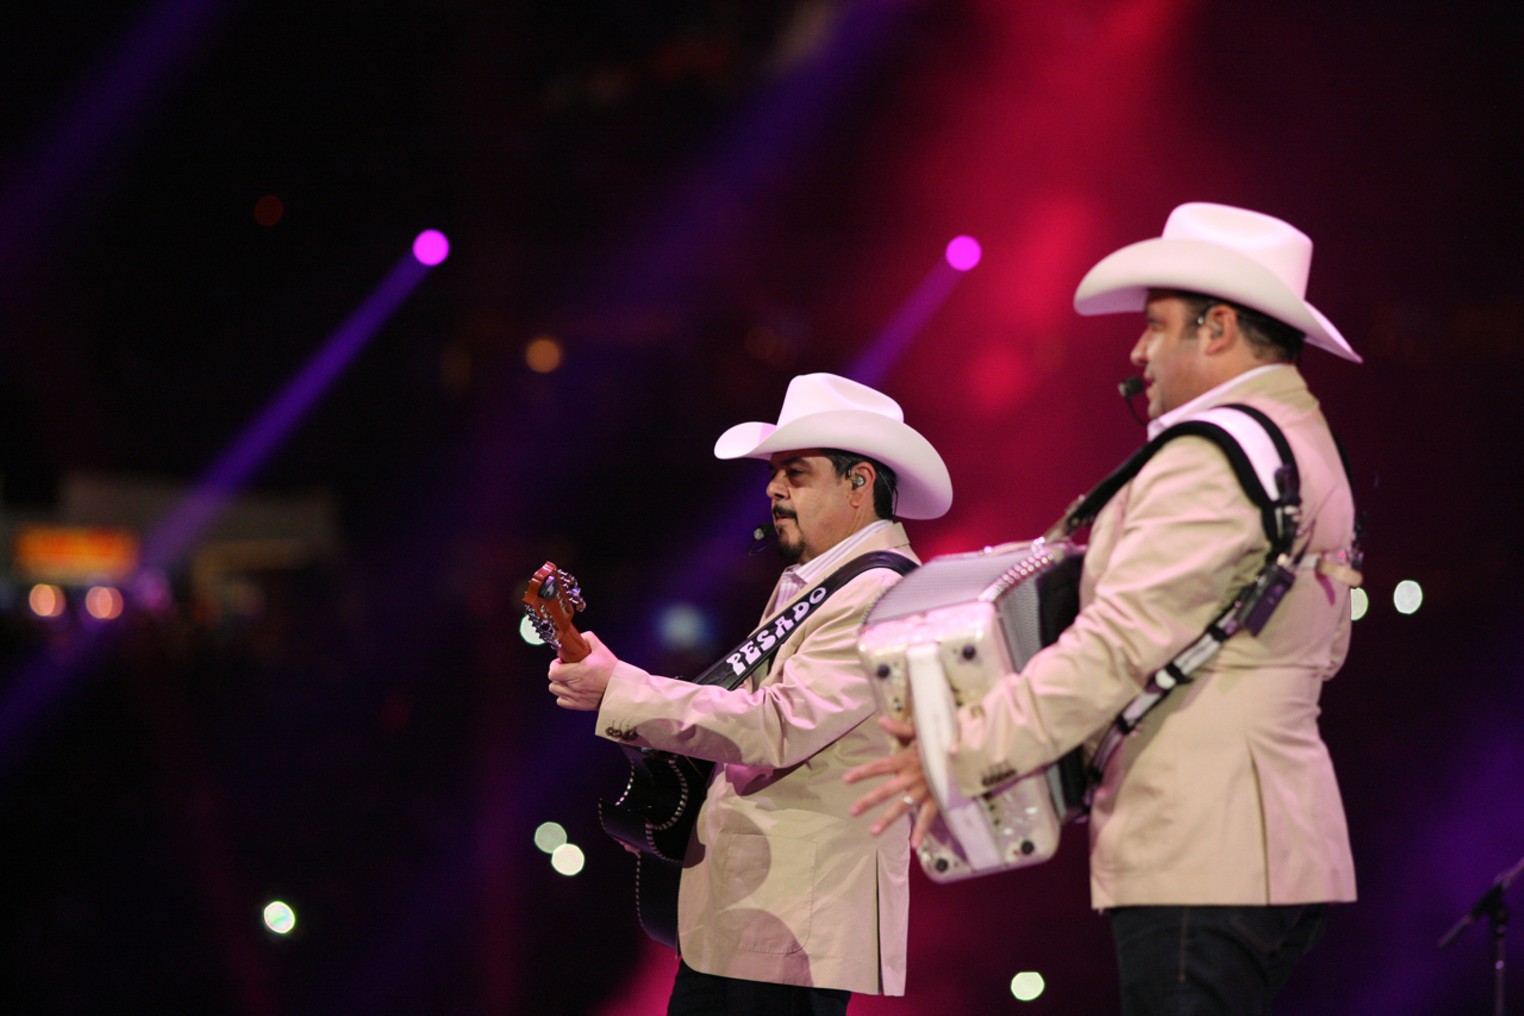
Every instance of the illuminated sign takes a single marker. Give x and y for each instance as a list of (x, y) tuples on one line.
[(75, 553)]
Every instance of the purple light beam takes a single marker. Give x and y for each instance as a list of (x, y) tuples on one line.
[(43, 681)]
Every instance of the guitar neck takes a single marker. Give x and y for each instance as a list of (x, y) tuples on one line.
[(573, 646)]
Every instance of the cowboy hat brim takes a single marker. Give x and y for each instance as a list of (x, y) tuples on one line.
[(925, 487), (1120, 282)]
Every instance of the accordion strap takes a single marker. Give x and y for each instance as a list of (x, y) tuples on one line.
[(1256, 458), (1266, 469), (759, 647)]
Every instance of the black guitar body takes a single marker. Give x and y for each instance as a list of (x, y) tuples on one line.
[(655, 813), (656, 884), (655, 817)]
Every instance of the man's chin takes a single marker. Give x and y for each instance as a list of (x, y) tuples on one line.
[(790, 550)]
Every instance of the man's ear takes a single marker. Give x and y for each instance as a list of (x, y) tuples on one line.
[(861, 477), (1222, 328)]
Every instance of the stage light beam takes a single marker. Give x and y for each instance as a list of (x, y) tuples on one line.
[(174, 534)]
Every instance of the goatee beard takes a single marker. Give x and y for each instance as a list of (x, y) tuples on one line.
[(790, 552)]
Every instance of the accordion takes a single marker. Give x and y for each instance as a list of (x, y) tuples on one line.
[(941, 638)]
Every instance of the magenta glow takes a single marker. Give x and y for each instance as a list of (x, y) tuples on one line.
[(963, 252), (431, 247)]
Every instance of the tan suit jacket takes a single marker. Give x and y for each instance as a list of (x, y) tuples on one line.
[(780, 883), (1225, 794)]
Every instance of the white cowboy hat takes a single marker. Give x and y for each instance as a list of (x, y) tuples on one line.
[(1217, 250), (826, 411)]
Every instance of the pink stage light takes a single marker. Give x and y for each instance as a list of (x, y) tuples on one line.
[(963, 252), (431, 247)]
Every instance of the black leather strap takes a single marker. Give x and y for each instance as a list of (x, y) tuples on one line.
[(758, 647)]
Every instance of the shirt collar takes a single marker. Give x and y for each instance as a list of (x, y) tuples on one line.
[(1206, 399), (796, 576)]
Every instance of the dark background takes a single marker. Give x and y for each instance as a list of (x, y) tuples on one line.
[(697, 200)]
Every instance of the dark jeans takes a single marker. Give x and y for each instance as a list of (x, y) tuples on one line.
[(696, 994), (1210, 961)]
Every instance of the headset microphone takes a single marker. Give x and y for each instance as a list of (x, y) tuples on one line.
[(1127, 389), (763, 537)]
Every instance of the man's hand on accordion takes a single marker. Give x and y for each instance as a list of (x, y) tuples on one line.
[(906, 791)]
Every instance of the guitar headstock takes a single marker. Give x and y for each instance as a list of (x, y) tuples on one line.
[(550, 601)]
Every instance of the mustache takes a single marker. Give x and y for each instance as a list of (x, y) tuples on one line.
[(785, 513)]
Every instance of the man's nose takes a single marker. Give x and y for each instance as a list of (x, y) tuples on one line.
[(1139, 354)]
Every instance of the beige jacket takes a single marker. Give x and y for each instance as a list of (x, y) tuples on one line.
[(781, 884), (1225, 794)]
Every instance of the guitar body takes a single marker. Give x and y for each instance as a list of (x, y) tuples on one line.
[(661, 800), (656, 883), (654, 817), (655, 813)]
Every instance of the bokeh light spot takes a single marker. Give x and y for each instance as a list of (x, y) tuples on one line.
[(549, 836), (279, 917), (1359, 604), (567, 859), (963, 252), (104, 603), (1407, 597), (269, 210), (683, 626), (431, 247), (543, 354), (768, 345), (1027, 986), (151, 592), (527, 632), (46, 600)]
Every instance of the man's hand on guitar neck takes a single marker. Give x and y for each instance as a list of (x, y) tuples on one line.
[(580, 685)]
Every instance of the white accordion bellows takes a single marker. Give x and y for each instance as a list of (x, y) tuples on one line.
[(941, 638)]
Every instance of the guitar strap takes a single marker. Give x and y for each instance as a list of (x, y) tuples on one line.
[(758, 647)]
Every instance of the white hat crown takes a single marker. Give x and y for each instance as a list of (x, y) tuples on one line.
[(825, 393), (1279, 246), (829, 411), (1217, 250)]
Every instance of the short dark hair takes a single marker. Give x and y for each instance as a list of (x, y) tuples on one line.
[(1269, 336), (885, 484)]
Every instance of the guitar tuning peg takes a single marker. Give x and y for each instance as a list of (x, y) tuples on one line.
[(543, 627), (572, 590)]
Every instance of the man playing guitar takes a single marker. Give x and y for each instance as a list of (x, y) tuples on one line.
[(787, 903)]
